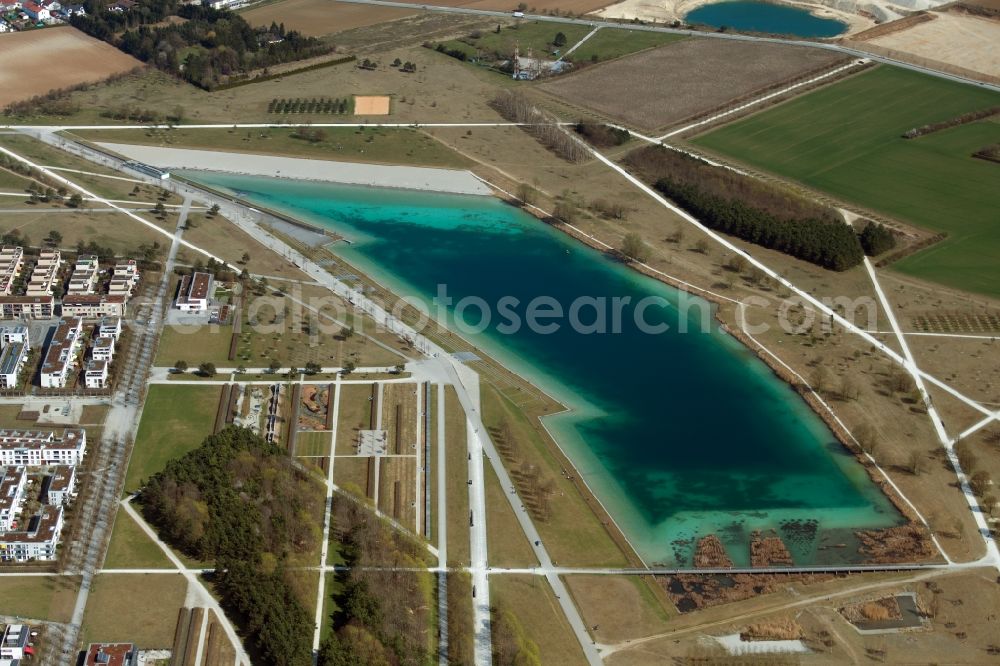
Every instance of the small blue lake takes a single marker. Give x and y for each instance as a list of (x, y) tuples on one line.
[(768, 17)]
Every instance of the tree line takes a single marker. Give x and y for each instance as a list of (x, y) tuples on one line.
[(314, 105), (236, 500), (749, 209), (962, 119), (209, 48), (517, 108)]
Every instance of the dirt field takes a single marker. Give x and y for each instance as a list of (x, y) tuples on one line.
[(371, 105), (684, 79), (536, 7), (956, 39), (321, 17), (71, 57)]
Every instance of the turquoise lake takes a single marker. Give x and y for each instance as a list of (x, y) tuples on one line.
[(680, 434), (766, 17)]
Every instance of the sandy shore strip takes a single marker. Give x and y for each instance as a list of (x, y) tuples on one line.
[(451, 181)]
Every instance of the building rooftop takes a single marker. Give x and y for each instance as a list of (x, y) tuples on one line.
[(57, 356), (10, 357), (10, 481), (110, 654), (41, 439), (41, 527)]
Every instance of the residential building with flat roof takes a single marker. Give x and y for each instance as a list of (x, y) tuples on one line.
[(27, 307), (35, 448), (96, 374), (11, 262), (194, 291), (14, 333), (103, 349), (59, 487), (109, 327), (12, 360), (94, 306), (45, 273), (37, 541), (14, 642), (12, 483), (60, 357), (111, 654)]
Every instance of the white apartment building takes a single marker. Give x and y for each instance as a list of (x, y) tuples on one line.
[(96, 374), (59, 487), (37, 541), (37, 448), (103, 349), (60, 357), (11, 262), (12, 483)]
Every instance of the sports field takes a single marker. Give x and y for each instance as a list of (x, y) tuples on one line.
[(846, 140)]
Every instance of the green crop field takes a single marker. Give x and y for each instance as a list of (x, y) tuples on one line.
[(846, 139), (611, 43)]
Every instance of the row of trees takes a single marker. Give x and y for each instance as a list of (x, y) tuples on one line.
[(517, 108), (314, 105), (962, 119), (236, 500), (754, 211), (207, 49)]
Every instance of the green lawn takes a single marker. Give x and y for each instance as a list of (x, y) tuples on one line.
[(140, 608), (537, 36), (175, 420), (377, 145), (612, 43), (131, 548), (312, 443), (39, 597), (846, 139), (196, 345)]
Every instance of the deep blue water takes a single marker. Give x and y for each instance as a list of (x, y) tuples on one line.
[(679, 434), (768, 17)]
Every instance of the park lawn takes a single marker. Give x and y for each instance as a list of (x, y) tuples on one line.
[(355, 414), (106, 228), (135, 608), (208, 343), (13, 182), (351, 475), (39, 597), (131, 548), (312, 443), (457, 488), (534, 604), (373, 145), (610, 43), (175, 420), (846, 139), (573, 534), (506, 542)]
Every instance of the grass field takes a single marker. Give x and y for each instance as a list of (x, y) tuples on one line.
[(130, 548), (195, 344), (505, 540), (531, 599), (377, 145), (456, 490), (175, 420), (320, 17), (845, 139), (139, 608), (312, 443), (608, 44), (38, 597)]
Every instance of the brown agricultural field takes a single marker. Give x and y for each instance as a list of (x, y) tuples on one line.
[(70, 58), (321, 17), (659, 87)]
